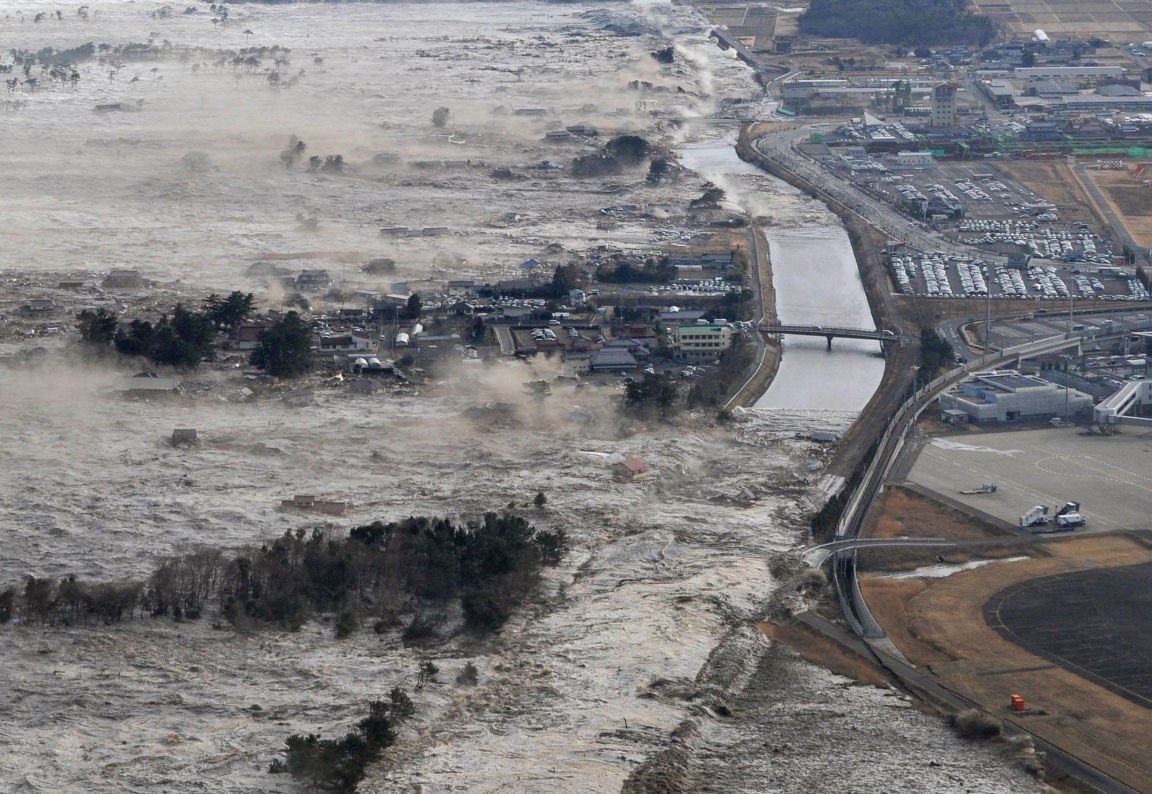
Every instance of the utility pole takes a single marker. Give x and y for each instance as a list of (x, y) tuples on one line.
[(988, 322)]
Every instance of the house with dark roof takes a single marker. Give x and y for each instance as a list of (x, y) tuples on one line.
[(612, 359)]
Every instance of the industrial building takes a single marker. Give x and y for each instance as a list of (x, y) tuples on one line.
[(944, 105), (918, 159), (1008, 396), (699, 342), (1068, 72)]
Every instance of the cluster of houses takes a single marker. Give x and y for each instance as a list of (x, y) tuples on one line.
[(628, 328), (510, 319)]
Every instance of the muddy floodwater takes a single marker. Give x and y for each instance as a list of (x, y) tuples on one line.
[(641, 655), (817, 283)]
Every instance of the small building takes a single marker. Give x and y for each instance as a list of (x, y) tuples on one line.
[(313, 505), (148, 386), (820, 152), (349, 341), (247, 336), (680, 317), (123, 279), (612, 359), (954, 416), (635, 331), (1008, 396), (630, 470), (583, 129), (1000, 92), (184, 437), (40, 306), (920, 159), (313, 281), (1052, 88), (640, 348)]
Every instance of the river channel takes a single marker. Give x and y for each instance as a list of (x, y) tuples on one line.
[(817, 282)]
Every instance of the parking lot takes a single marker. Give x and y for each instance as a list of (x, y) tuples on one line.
[(993, 214), (936, 275), (981, 192), (1108, 475), (1045, 323)]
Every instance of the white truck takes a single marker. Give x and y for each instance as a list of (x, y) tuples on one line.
[(1068, 516), (1035, 517)]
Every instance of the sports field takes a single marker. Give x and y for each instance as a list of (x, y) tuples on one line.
[(1093, 623), (1062, 629)]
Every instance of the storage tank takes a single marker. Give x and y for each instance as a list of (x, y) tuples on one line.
[(374, 363), (401, 339), (417, 329), (1040, 36)]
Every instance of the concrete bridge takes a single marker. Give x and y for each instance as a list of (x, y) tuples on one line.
[(830, 333)]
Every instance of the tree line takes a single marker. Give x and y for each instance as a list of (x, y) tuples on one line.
[(419, 565), (188, 336), (339, 764), (936, 354), (913, 23), (650, 271), (181, 339)]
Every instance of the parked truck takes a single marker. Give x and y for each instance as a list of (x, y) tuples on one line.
[(1065, 519), (1035, 517), (1069, 517)]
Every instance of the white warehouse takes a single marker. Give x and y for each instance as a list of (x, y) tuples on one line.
[(1007, 396)]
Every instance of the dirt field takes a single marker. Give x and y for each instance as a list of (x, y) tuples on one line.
[(1130, 200), (1054, 181), (939, 624), (904, 513), (1122, 20)]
